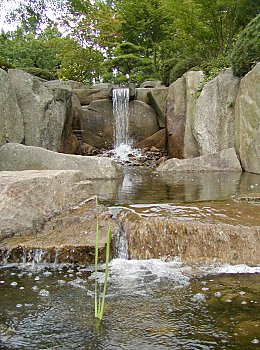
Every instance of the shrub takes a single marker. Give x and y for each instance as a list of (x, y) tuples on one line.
[(246, 52), (5, 64), (181, 67), (39, 72)]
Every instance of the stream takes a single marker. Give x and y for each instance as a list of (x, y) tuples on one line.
[(151, 304)]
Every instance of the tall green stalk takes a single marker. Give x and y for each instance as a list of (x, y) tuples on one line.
[(100, 300)]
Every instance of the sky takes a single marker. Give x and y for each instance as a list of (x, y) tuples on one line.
[(5, 6)]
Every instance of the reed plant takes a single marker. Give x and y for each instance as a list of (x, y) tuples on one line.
[(99, 295)]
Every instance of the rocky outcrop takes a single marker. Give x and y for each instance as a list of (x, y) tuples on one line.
[(157, 140), (28, 197), (142, 121), (157, 98), (226, 160), (68, 236), (11, 120), (193, 80), (98, 123), (86, 96), (247, 112), (48, 112), (176, 118), (214, 119), (14, 157)]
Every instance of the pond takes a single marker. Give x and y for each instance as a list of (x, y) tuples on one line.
[(151, 304)]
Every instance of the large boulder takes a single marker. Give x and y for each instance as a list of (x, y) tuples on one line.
[(29, 197), (176, 118), (193, 80), (247, 111), (14, 157), (214, 120), (143, 121), (225, 160), (47, 111), (98, 124), (11, 120), (155, 97), (86, 96)]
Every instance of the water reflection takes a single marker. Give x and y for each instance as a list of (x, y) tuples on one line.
[(141, 185)]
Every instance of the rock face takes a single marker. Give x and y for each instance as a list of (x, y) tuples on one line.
[(14, 157), (142, 121), (86, 96), (176, 118), (247, 111), (28, 197), (11, 120), (98, 123), (192, 79), (47, 111), (214, 120), (225, 160)]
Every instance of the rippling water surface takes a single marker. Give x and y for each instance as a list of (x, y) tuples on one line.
[(150, 304)]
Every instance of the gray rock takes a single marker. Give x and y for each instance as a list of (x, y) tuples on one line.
[(225, 160), (66, 84), (14, 157), (193, 79), (214, 121), (142, 121), (98, 123), (141, 95), (247, 111), (176, 118), (158, 98), (46, 110), (11, 120), (29, 197), (151, 84), (86, 96)]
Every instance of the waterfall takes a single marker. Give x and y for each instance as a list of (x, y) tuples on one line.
[(120, 111)]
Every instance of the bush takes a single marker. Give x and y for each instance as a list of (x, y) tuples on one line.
[(165, 70), (5, 64), (182, 66), (39, 72), (246, 52)]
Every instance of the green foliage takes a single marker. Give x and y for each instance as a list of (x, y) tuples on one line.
[(129, 64), (246, 51), (4, 64), (39, 72), (181, 66)]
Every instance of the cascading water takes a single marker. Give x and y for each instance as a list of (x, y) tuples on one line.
[(121, 111), (123, 143)]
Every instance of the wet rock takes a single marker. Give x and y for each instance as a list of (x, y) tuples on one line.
[(11, 120), (14, 157), (67, 237), (247, 113), (225, 160), (192, 241)]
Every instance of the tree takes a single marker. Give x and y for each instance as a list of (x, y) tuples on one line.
[(129, 64)]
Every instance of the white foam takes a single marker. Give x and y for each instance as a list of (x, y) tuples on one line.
[(234, 269)]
